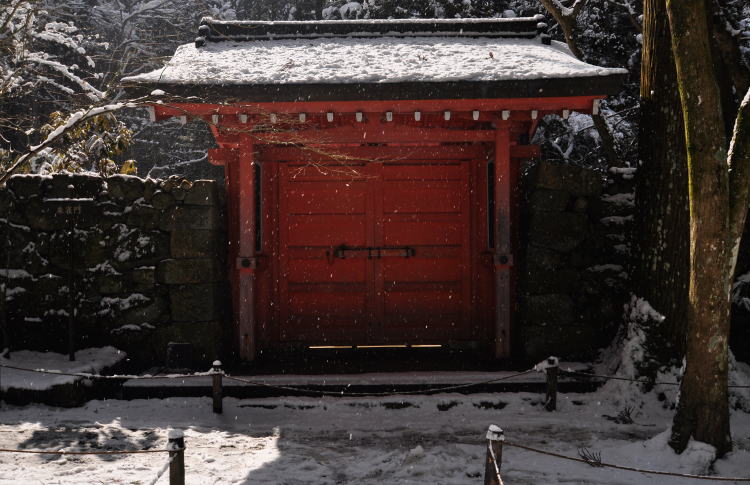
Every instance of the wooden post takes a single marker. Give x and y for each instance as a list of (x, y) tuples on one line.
[(551, 370), (495, 438), (245, 263), (217, 386), (177, 455), (503, 259)]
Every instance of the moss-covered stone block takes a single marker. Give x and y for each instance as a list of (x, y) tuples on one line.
[(549, 200), (201, 302), (27, 186), (203, 192), (187, 271), (134, 247), (162, 200), (73, 185), (125, 187), (542, 259), (560, 231), (206, 337), (196, 244), (143, 216), (5, 201), (549, 310), (552, 281), (191, 217), (150, 186), (143, 277), (43, 216), (155, 310), (576, 181), (108, 284)]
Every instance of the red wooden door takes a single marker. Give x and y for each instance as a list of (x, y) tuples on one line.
[(425, 297), (375, 253)]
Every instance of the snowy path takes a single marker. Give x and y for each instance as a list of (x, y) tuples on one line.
[(363, 441)]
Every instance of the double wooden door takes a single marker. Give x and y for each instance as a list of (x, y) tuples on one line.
[(374, 253)]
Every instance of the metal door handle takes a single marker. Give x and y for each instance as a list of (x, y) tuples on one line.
[(348, 252)]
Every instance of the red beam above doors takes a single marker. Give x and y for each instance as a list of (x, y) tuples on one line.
[(380, 153), (576, 103)]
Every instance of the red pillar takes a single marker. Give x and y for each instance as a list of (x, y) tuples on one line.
[(245, 262), (503, 240)]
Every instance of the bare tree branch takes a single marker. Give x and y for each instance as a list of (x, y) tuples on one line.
[(567, 18)]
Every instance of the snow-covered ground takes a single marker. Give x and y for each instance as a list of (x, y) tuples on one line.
[(92, 361), (411, 440)]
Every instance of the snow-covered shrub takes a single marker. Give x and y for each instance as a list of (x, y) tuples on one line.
[(631, 356)]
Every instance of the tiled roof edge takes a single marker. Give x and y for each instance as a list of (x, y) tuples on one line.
[(211, 30)]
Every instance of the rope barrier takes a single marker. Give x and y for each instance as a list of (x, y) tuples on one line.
[(641, 381), (64, 452), (86, 375), (618, 378), (393, 393), (627, 468), (569, 372), (175, 463), (163, 469)]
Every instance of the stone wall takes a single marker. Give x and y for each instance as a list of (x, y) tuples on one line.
[(147, 263), (572, 275)]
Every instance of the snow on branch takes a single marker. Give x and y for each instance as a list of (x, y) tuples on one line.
[(73, 120), (93, 93), (564, 11)]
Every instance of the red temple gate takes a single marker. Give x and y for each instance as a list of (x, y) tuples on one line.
[(375, 222)]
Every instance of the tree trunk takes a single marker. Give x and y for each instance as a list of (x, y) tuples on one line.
[(703, 410), (661, 246), (566, 18)]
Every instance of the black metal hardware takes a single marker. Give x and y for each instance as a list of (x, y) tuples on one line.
[(504, 259), (369, 252), (246, 262)]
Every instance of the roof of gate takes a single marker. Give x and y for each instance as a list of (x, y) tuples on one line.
[(376, 59)]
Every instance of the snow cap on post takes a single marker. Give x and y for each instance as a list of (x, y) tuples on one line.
[(495, 433), (550, 361)]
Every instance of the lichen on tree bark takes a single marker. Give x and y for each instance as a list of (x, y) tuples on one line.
[(703, 410)]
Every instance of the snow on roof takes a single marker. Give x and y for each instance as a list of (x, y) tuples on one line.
[(369, 60), (451, 21)]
